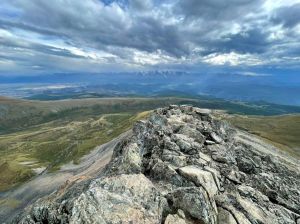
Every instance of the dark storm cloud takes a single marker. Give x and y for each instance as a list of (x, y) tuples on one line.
[(217, 9), (20, 25), (288, 16), (251, 41), (150, 34), (102, 26), (25, 45), (140, 5), (141, 32)]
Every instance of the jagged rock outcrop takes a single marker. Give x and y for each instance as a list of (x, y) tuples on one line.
[(181, 166)]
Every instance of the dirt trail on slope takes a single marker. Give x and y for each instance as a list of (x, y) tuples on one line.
[(13, 201)]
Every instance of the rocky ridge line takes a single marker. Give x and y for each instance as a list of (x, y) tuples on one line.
[(181, 166)]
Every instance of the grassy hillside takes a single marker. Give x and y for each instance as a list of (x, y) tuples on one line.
[(282, 131), (26, 153), (38, 135), (16, 115)]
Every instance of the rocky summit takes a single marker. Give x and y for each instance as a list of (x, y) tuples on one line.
[(183, 165)]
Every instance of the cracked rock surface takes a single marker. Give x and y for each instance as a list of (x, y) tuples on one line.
[(182, 166)]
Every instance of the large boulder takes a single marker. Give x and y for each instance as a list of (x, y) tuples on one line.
[(124, 198)]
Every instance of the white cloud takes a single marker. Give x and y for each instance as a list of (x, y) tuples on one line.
[(92, 36), (144, 58), (232, 59), (254, 74)]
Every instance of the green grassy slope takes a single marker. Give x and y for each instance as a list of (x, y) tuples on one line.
[(16, 115), (55, 143), (38, 135), (282, 131), (35, 135)]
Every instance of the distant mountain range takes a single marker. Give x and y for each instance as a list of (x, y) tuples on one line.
[(280, 89)]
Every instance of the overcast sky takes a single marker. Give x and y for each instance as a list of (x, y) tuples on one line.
[(49, 36)]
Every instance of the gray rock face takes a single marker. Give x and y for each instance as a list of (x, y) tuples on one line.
[(182, 165)]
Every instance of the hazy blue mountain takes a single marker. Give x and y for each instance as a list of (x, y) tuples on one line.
[(233, 86)]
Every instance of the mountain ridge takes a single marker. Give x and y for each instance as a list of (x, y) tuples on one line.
[(182, 165)]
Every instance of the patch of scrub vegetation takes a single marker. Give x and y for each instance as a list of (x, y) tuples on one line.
[(55, 143), (283, 131)]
